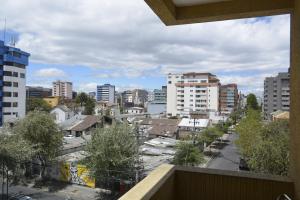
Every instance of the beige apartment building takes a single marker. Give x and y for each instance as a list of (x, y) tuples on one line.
[(62, 89)]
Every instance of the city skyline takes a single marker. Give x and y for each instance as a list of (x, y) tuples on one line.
[(141, 55)]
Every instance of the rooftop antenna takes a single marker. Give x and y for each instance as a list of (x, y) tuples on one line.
[(4, 30), (13, 41)]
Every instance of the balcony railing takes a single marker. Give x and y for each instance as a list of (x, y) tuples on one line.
[(170, 182)]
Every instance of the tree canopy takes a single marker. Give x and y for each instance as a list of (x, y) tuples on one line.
[(33, 104), (112, 152), (187, 154), (252, 102), (39, 129), (264, 146), (14, 152), (84, 100), (209, 134)]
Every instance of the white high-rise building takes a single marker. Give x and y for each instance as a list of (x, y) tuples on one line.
[(62, 89), (13, 62), (192, 92)]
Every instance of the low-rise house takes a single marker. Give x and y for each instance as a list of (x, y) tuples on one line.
[(80, 125), (193, 124), (102, 108), (134, 110), (61, 113), (283, 115), (154, 128)]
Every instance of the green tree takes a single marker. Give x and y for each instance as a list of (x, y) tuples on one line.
[(249, 130), (271, 154), (187, 154), (14, 153), (209, 134), (33, 104), (112, 153), (84, 100), (252, 102), (89, 106), (81, 98), (40, 130)]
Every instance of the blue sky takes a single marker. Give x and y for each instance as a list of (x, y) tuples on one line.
[(124, 43)]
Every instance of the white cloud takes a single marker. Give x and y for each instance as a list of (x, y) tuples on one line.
[(87, 87), (50, 73), (128, 39)]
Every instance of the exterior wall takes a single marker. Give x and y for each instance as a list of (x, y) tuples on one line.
[(134, 111), (60, 115), (18, 104), (276, 94), (228, 98), (106, 93), (172, 94), (13, 64), (71, 172), (213, 98), (62, 89), (160, 95), (192, 92), (52, 101), (140, 97), (38, 92)]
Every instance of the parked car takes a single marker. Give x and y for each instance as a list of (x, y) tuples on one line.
[(19, 196), (68, 136), (243, 165)]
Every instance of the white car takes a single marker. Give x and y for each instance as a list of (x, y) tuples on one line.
[(68, 136)]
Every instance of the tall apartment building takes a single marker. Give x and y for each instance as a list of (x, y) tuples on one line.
[(106, 93), (192, 92), (160, 95), (276, 94), (13, 64), (62, 89), (228, 98), (38, 92)]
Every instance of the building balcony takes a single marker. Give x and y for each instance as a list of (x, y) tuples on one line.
[(170, 182)]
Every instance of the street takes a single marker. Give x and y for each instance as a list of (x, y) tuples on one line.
[(74, 192), (228, 158)]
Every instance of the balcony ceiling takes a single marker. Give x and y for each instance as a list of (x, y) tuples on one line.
[(180, 3), (174, 12)]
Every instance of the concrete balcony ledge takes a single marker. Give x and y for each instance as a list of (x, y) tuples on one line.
[(151, 184), (174, 182)]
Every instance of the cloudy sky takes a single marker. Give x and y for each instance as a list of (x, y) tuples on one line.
[(124, 43)]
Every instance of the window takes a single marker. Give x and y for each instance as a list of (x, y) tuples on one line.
[(7, 113), (15, 74), (15, 94), (7, 73), (15, 104), (6, 94), (22, 75), (170, 82), (7, 84), (6, 104), (16, 84)]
